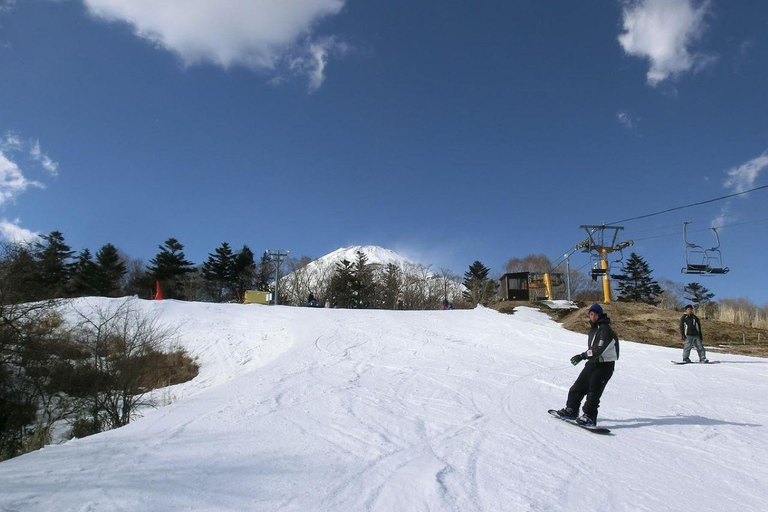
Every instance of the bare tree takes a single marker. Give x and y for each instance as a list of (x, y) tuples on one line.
[(299, 282), (530, 263), (121, 343)]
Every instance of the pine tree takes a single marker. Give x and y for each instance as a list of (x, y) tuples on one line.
[(110, 271), (363, 284), (697, 294), (218, 271), (391, 284), (84, 275), (54, 266), (243, 272), (18, 274), (480, 289), (636, 283), (169, 267), (342, 285)]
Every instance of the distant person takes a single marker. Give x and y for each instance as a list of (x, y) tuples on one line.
[(327, 303), (445, 304), (312, 301), (690, 331), (601, 355), (400, 302)]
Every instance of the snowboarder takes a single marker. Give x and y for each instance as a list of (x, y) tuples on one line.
[(690, 331), (312, 301), (601, 355)]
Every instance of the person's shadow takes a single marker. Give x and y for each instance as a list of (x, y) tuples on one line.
[(671, 420)]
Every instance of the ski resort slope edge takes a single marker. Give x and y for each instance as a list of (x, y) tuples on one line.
[(305, 409)]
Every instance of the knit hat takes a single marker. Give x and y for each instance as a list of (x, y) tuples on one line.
[(689, 306), (596, 308)]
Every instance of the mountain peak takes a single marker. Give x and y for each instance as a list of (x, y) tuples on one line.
[(374, 253)]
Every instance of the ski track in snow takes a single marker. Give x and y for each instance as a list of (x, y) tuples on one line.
[(299, 409)]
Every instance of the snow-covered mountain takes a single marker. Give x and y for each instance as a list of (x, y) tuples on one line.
[(315, 276), (376, 256), (327, 410)]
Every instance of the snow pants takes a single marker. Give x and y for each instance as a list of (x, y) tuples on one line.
[(590, 383), (696, 342)]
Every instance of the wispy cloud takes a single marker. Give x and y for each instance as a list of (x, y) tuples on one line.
[(18, 159), (313, 59), (662, 31), (7, 5), (11, 231), (263, 35), (740, 179), (37, 154), (627, 119), (743, 177)]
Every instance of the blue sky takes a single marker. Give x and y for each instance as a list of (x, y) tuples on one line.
[(449, 131)]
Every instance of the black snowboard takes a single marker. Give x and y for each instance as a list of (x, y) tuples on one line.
[(695, 362), (594, 430)]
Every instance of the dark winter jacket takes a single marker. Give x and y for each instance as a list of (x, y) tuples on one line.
[(690, 325), (602, 341)]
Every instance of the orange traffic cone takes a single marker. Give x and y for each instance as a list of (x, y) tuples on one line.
[(159, 292)]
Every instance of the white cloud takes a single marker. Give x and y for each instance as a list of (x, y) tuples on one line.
[(662, 31), (258, 34), (743, 177), (12, 180), (11, 231)]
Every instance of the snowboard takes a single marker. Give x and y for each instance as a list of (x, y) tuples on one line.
[(594, 430), (695, 362)]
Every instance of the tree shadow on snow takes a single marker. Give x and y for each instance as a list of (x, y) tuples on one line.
[(671, 420)]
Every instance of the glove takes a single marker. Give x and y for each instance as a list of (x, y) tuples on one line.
[(577, 359)]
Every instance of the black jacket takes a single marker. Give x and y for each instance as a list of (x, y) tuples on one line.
[(602, 341), (690, 325)]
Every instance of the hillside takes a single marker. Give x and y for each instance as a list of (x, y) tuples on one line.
[(306, 409), (656, 326)]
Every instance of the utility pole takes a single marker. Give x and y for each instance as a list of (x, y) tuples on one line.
[(568, 276), (277, 256)]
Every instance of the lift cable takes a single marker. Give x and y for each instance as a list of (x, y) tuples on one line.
[(701, 230), (560, 260), (677, 224), (691, 205)]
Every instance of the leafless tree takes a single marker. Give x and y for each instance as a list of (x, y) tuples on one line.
[(121, 342)]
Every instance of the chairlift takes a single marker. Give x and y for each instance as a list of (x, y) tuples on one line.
[(702, 261), (597, 268)]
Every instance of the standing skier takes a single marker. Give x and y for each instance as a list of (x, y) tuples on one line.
[(690, 330), (601, 355)]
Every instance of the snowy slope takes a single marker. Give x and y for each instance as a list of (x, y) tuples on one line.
[(343, 410)]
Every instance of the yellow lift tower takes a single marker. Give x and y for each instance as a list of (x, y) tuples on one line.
[(602, 241)]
